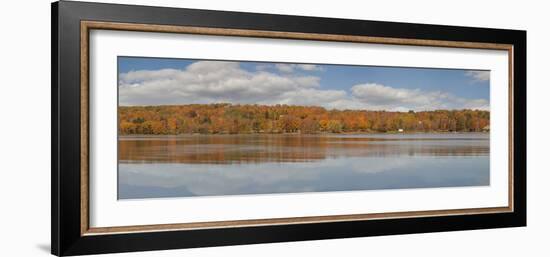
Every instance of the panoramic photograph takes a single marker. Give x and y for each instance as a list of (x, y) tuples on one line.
[(190, 128)]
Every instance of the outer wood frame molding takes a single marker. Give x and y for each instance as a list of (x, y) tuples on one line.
[(87, 26)]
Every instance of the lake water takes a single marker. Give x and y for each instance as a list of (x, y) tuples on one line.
[(214, 165)]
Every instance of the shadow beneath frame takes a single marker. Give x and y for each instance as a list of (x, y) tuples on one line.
[(44, 247)]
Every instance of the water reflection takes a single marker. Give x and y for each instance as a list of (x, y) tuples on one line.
[(199, 165), (225, 149)]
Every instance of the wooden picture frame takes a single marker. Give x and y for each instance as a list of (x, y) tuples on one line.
[(71, 25)]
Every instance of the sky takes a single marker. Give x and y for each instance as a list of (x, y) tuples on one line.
[(163, 81)]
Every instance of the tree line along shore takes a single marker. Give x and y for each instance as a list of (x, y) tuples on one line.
[(248, 119)]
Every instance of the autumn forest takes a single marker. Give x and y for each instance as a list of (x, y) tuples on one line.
[(248, 119)]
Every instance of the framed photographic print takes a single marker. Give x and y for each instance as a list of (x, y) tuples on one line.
[(178, 128)]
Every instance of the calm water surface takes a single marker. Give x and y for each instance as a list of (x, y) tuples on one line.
[(211, 165)]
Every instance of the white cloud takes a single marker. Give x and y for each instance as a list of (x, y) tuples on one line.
[(309, 67), (376, 96), (216, 81), (209, 81), (284, 67), (288, 68), (479, 76)]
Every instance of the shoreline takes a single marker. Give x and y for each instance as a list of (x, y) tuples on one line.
[(307, 134)]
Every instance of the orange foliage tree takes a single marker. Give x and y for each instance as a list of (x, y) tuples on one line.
[(233, 119)]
